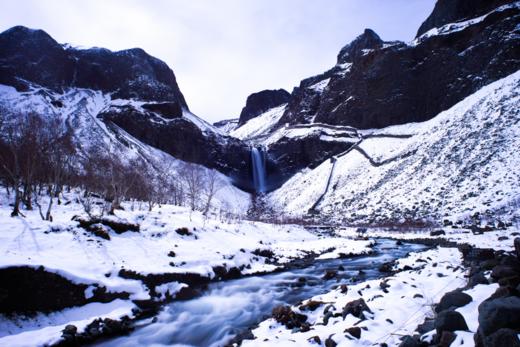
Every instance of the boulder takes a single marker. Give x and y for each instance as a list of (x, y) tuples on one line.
[(386, 267), (446, 339), (356, 308), (354, 331), (502, 338), (426, 326), (499, 313), (503, 271), (450, 321), (453, 299), (330, 274), (286, 316), (329, 342), (477, 278), (410, 341)]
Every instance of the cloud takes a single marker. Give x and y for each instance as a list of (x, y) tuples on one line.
[(221, 51)]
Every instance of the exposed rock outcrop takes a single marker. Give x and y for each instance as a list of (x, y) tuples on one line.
[(262, 101), (449, 11), (130, 73), (377, 84)]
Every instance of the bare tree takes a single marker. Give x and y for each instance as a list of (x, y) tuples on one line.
[(211, 186), (193, 178), (18, 155)]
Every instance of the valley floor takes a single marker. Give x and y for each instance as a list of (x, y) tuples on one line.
[(172, 241)]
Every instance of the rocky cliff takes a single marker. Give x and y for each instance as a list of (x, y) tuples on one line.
[(129, 91), (258, 103), (375, 84)]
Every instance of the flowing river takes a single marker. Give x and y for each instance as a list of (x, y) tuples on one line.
[(228, 308)]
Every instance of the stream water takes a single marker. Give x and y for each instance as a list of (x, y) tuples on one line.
[(227, 308)]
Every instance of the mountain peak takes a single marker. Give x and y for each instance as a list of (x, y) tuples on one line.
[(368, 40), (449, 11), (259, 102)]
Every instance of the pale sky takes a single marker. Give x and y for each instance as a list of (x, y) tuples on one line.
[(223, 50)]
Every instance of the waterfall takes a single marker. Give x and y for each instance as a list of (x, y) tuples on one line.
[(258, 160)]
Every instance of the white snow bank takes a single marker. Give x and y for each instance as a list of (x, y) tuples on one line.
[(409, 300)]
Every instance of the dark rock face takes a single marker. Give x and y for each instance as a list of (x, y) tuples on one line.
[(260, 102), (184, 140), (453, 299), (368, 40), (129, 73), (379, 84), (294, 154), (449, 11)]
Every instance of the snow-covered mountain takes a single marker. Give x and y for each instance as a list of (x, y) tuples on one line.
[(131, 99), (362, 175), (127, 97), (84, 111), (461, 47), (461, 163)]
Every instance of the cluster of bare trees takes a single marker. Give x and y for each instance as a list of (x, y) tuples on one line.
[(35, 155), (38, 158)]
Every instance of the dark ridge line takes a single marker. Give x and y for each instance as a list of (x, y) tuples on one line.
[(404, 136), (333, 160), (323, 125), (384, 162)]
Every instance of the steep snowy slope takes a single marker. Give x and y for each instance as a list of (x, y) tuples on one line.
[(126, 90), (461, 162), (82, 111), (260, 125)]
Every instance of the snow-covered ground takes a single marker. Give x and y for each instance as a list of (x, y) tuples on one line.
[(43, 330), (496, 239), (63, 247), (462, 161), (260, 125), (398, 304)]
